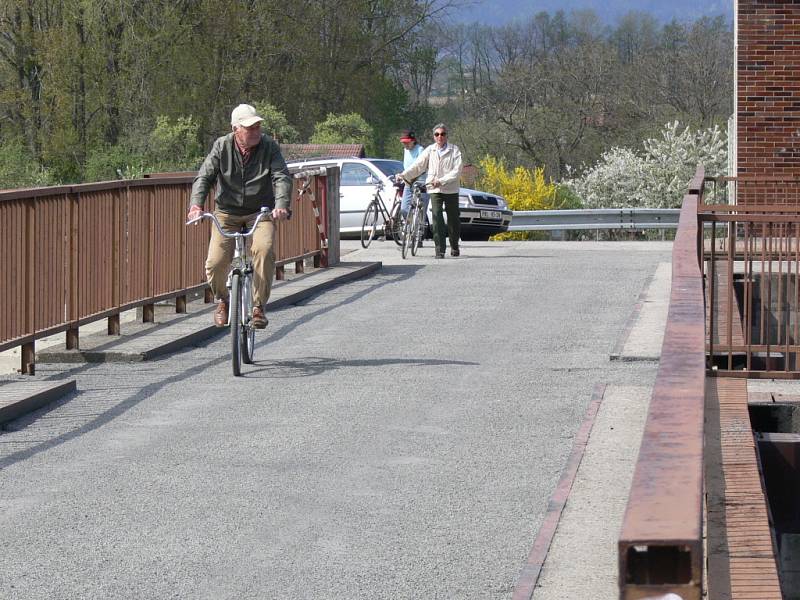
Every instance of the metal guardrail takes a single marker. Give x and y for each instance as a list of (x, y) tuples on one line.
[(595, 218)]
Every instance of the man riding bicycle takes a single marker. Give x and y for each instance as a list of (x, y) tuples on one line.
[(245, 164)]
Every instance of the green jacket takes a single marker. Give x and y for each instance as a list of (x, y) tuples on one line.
[(243, 190)]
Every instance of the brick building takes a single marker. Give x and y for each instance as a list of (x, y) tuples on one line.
[(767, 98)]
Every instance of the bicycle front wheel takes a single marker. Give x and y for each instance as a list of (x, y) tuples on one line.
[(235, 304), (416, 230), (407, 234), (370, 225), (247, 339)]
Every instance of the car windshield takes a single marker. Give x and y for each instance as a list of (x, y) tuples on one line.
[(388, 167)]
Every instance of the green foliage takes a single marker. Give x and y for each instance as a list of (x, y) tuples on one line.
[(343, 129), (18, 169), (115, 162), (276, 124), (170, 146), (174, 145)]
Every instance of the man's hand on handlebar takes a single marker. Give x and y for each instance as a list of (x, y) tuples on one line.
[(194, 213), (280, 214)]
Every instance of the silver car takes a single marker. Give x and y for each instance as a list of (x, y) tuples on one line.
[(482, 214)]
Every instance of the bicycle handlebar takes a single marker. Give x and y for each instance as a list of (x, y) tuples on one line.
[(235, 234)]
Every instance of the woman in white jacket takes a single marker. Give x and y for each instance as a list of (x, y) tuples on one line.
[(442, 161)]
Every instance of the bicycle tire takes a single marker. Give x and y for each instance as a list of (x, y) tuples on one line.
[(415, 230), (406, 235), (370, 225), (398, 224), (235, 304), (247, 340)]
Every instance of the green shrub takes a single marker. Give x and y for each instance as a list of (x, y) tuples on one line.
[(18, 169)]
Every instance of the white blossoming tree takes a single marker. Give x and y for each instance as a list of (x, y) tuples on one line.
[(655, 178)]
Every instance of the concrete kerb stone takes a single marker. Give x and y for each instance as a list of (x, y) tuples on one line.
[(18, 398), (142, 342)]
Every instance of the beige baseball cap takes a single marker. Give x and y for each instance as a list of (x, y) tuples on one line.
[(244, 115)]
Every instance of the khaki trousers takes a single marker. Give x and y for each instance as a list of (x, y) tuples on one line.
[(220, 255)]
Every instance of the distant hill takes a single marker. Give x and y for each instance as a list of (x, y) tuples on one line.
[(501, 12)]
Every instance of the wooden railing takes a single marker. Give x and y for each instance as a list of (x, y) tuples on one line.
[(661, 543), (71, 255)]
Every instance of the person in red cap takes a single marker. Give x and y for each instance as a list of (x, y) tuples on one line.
[(411, 151)]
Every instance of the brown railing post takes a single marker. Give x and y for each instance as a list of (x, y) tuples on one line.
[(73, 292), (28, 358), (148, 313), (113, 325), (28, 352)]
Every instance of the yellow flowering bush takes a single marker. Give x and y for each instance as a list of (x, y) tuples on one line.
[(523, 189)]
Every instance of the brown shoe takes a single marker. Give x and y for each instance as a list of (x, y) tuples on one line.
[(259, 320), (221, 314)]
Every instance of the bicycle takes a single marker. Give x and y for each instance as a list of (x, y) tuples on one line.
[(392, 219), (415, 221), (240, 286)]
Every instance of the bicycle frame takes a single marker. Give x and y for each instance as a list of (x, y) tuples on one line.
[(239, 283), (376, 210), (377, 198)]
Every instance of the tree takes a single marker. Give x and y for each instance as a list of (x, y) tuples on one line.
[(276, 124), (657, 176), (343, 129)]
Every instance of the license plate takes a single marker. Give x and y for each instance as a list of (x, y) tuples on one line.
[(491, 214)]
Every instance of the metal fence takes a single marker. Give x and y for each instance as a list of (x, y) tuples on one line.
[(71, 255), (751, 252)]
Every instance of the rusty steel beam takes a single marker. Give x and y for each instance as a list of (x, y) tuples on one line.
[(660, 547)]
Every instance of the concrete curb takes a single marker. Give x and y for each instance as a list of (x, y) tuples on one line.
[(20, 398), (161, 340), (526, 583)]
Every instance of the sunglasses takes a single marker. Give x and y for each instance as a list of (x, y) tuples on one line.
[(440, 134)]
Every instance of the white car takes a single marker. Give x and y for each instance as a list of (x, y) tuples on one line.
[(482, 214)]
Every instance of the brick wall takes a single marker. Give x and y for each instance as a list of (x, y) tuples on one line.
[(768, 95)]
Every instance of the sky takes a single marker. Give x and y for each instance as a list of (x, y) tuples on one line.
[(501, 12)]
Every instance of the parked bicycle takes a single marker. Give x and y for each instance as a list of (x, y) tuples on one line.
[(414, 226), (240, 288), (392, 220)]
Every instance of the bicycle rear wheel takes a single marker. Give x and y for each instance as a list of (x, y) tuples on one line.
[(247, 339), (370, 225), (398, 224), (235, 304)]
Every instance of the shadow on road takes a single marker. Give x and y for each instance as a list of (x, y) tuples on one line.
[(314, 365), (386, 276)]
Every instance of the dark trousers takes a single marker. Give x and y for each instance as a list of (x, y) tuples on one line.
[(450, 204)]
